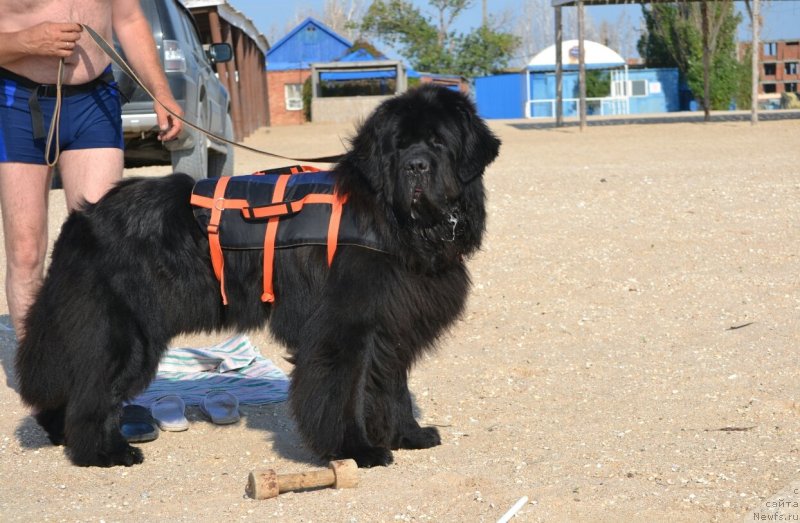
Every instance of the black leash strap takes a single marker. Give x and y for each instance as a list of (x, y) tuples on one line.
[(117, 59)]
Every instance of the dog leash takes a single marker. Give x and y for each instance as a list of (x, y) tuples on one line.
[(55, 121), (109, 50)]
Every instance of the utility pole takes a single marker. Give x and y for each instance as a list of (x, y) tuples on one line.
[(559, 61), (581, 65), (706, 63), (756, 52), (485, 18)]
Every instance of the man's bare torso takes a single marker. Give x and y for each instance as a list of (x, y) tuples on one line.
[(86, 63)]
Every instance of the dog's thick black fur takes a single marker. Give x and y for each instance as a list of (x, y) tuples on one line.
[(132, 271)]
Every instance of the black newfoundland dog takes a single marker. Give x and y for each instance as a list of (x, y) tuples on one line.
[(131, 272)]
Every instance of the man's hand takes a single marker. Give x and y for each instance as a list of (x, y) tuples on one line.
[(169, 126), (50, 39)]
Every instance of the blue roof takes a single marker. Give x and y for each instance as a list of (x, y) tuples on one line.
[(361, 55), (356, 75), (311, 41), (573, 67)]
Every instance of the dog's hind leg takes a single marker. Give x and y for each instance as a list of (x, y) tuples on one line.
[(93, 438), (92, 424), (52, 421)]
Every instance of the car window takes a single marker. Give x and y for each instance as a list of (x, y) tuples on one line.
[(191, 33), (151, 13)]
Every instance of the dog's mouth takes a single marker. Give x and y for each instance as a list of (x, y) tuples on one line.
[(426, 212), (416, 194), (421, 208)]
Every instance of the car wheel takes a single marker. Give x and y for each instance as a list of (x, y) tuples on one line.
[(194, 161), (221, 164)]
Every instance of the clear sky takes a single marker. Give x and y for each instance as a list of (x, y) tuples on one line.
[(782, 17)]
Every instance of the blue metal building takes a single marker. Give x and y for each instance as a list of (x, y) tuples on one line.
[(504, 96)]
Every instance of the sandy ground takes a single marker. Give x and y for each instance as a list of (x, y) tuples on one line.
[(630, 352)]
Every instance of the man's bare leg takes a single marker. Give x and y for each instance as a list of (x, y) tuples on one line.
[(24, 194), (87, 174)]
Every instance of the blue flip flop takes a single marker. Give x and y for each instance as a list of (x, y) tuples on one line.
[(169, 413), (137, 425), (221, 406)]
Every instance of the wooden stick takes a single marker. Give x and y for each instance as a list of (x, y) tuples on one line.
[(266, 483)]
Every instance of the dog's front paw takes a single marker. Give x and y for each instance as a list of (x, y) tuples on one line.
[(129, 457), (126, 456), (367, 457), (422, 438)]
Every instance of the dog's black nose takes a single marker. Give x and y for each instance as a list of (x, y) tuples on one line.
[(418, 166)]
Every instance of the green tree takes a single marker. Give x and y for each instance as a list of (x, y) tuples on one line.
[(598, 84), (674, 38), (434, 47)]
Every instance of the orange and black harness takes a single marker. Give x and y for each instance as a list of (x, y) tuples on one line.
[(244, 212)]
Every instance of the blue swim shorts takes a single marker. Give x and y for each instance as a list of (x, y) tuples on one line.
[(91, 116)]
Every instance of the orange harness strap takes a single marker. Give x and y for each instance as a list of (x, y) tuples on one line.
[(217, 204), (269, 239), (333, 226)]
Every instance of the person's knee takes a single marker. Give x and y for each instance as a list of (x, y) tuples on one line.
[(26, 258)]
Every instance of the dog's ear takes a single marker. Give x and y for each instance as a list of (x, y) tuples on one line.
[(371, 151), (479, 146)]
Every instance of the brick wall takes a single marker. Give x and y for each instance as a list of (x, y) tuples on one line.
[(779, 64), (276, 80), (344, 108)]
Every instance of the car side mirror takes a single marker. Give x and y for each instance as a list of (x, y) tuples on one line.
[(218, 53)]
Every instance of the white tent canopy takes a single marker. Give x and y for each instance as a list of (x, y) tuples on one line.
[(596, 56)]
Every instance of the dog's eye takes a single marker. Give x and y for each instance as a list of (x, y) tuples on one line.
[(437, 142)]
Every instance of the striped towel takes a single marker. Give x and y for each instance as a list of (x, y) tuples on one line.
[(234, 365)]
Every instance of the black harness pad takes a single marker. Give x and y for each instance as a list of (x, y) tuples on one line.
[(307, 227)]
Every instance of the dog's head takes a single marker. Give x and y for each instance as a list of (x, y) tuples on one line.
[(422, 151)]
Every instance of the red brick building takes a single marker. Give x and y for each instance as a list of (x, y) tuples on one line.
[(779, 64), (285, 96)]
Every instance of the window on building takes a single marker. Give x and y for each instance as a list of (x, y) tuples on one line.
[(790, 87), (770, 48), (770, 88), (294, 97), (790, 68), (630, 88), (769, 69), (638, 87)]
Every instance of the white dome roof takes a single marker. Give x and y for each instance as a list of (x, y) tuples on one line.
[(597, 56)]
